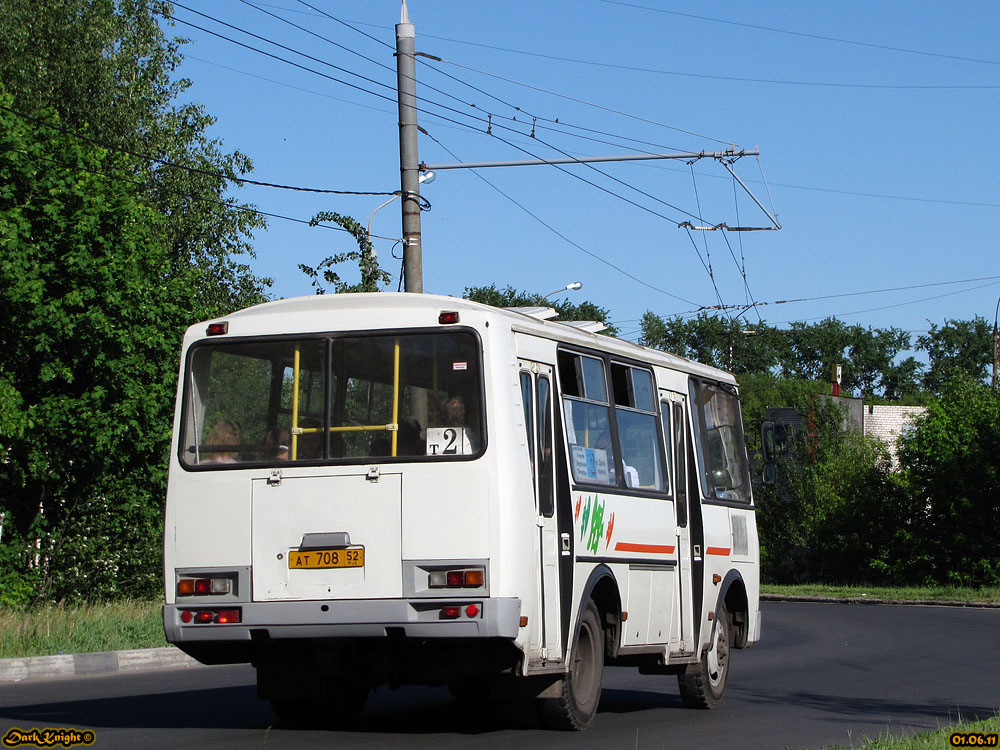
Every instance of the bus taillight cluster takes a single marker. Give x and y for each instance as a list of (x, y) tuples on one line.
[(210, 616)]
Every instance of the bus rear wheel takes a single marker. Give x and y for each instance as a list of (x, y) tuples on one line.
[(703, 684), (581, 688)]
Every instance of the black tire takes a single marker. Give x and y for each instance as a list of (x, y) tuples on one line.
[(581, 688), (703, 684)]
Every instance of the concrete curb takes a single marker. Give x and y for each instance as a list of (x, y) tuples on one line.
[(875, 600), (100, 662)]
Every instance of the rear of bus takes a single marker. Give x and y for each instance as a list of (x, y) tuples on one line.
[(329, 503)]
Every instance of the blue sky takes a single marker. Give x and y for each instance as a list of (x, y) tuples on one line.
[(874, 123)]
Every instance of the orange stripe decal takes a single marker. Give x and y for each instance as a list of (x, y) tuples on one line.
[(723, 551), (663, 549)]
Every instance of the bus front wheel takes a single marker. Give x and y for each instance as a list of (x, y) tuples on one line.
[(581, 688), (703, 684)]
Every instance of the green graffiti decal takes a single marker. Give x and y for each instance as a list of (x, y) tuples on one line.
[(586, 517), (596, 527)]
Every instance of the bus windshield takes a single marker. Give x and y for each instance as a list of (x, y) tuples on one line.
[(348, 398), (719, 432)]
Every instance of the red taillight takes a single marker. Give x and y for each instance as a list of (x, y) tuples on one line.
[(451, 613), (472, 611), (447, 318), (209, 616), (226, 616), (218, 329), (456, 577), (203, 586)]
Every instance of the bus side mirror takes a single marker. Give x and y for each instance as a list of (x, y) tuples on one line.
[(769, 449)]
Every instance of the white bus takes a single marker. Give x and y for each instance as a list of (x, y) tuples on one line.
[(387, 489)]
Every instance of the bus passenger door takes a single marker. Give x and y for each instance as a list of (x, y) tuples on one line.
[(675, 432), (537, 396)]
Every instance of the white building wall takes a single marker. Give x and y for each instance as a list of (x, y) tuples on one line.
[(888, 422)]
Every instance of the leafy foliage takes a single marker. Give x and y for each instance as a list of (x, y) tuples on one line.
[(511, 297), (371, 274), (104, 66), (870, 357), (90, 325), (959, 346), (108, 251), (951, 463)]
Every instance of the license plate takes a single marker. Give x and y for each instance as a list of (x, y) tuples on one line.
[(326, 558)]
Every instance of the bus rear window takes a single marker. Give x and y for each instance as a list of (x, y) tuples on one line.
[(357, 397)]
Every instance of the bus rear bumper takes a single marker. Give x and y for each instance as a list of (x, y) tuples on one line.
[(356, 618)]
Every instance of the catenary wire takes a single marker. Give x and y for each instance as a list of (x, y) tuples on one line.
[(193, 170), (560, 234), (804, 34)]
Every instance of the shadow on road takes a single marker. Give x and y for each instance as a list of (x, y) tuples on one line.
[(410, 710), (859, 707)]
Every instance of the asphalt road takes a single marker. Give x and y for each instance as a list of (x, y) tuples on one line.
[(824, 675)]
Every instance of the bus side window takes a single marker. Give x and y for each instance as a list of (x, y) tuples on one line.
[(635, 409), (529, 420), (587, 416), (546, 502), (680, 472)]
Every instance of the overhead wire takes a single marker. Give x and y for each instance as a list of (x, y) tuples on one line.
[(231, 204), (559, 234), (437, 104), (804, 34), (481, 120), (183, 167), (425, 60)]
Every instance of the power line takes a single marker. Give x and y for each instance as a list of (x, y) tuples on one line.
[(874, 291), (560, 234), (911, 302), (707, 76), (806, 35), (198, 198), (471, 105), (193, 170)]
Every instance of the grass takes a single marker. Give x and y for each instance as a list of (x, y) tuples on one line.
[(53, 629), (988, 595), (934, 740)]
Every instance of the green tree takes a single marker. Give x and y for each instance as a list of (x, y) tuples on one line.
[(511, 297), (91, 315), (959, 346), (951, 472), (729, 344), (371, 274), (105, 67)]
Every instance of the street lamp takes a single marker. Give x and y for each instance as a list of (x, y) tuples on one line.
[(426, 177), (571, 287)]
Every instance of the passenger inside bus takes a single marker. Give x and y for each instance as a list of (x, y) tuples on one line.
[(277, 444), (453, 415), (224, 432)]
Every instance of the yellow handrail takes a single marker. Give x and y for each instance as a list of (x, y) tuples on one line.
[(395, 394), (295, 403)]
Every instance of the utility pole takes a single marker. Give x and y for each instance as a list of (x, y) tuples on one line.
[(406, 82)]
